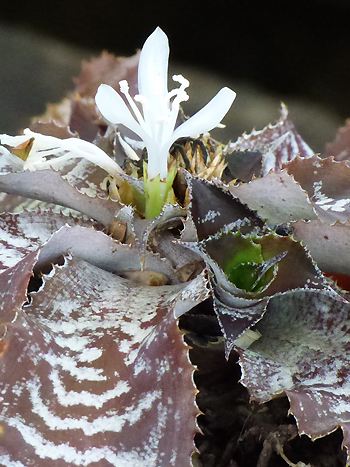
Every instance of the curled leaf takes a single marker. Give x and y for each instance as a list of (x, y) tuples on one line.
[(303, 352)]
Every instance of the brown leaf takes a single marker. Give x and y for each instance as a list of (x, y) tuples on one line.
[(84, 119), (340, 147), (329, 245), (101, 375), (13, 287), (52, 128), (327, 184), (212, 207), (107, 69), (277, 198), (303, 351), (26, 232), (278, 143)]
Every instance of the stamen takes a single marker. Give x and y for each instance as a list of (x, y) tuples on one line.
[(145, 108), (180, 95), (124, 89), (182, 80), (131, 154)]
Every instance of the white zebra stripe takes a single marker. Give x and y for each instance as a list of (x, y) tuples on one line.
[(47, 450), (89, 399), (113, 423)]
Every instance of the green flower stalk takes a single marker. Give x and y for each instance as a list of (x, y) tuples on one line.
[(157, 192)]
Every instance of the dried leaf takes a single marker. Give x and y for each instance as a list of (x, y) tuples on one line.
[(52, 128), (22, 150)]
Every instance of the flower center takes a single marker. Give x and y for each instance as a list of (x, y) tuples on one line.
[(158, 117)]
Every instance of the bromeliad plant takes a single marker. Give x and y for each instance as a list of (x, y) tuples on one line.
[(97, 268)]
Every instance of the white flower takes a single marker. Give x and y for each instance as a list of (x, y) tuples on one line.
[(50, 152), (155, 125)]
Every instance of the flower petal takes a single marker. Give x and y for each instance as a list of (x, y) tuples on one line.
[(13, 140), (208, 117), (48, 145), (80, 148), (153, 66), (114, 109)]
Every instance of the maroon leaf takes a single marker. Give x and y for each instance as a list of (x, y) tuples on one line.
[(329, 245), (52, 128), (13, 288), (25, 232), (295, 267), (340, 147), (13, 203), (244, 165), (277, 198), (107, 69), (303, 351), (238, 309), (236, 315), (278, 143), (84, 119), (212, 207), (101, 374), (102, 251), (49, 186), (171, 217), (327, 184)]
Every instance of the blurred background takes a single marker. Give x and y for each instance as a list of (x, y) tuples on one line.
[(294, 51)]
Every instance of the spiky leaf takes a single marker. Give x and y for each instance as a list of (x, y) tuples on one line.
[(278, 143), (303, 351)]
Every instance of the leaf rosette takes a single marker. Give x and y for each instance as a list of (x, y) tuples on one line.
[(253, 236)]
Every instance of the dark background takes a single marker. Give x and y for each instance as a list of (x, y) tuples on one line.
[(297, 51)]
